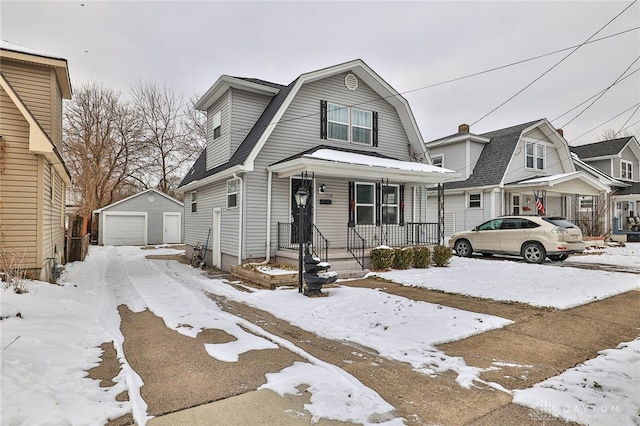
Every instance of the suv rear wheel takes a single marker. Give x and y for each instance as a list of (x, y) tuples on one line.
[(463, 248), (533, 253)]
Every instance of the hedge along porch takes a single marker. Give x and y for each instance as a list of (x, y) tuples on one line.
[(149, 217)]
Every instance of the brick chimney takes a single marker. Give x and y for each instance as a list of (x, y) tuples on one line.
[(463, 128), (561, 132)]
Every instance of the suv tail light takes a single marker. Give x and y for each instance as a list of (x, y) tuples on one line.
[(559, 230)]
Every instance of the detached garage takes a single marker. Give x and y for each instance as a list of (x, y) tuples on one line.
[(149, 217)]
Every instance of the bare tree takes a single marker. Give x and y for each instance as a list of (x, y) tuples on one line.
[(101, 134), (195, 123), (168, 141), (610, 134)]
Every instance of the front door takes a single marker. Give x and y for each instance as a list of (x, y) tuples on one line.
[(295, 211)]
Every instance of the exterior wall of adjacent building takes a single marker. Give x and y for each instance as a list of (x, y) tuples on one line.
[(32, 192)]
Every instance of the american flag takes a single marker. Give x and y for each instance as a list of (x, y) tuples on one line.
[(539, 204)]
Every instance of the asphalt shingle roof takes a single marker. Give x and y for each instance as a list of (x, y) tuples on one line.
[(494, 159), (634, 189), (600, 149), (199, 170)]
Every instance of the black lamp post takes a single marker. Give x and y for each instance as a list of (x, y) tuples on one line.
[(301, 197)]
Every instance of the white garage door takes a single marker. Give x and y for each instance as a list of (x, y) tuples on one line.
[(124, 230)]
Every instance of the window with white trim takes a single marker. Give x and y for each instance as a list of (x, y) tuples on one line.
[(626, 170), (194, 201), (216, 124), (232, 193), (348, 124), (365, 203), (474, 200), (534, 155), (438, 160), (390, 204)]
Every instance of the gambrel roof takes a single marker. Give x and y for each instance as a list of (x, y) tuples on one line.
[(242, 159), (495, 157), (601, 149)]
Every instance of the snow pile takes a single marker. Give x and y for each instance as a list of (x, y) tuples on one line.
[(629, 255)]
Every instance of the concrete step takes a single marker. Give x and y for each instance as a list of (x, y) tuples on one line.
[(351, 274)]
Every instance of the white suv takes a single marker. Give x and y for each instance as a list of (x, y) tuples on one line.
[(531, 237)]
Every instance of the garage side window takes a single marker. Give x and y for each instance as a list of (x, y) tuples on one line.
[(194, 201)]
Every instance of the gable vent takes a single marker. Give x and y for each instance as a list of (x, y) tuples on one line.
[(351, 81)]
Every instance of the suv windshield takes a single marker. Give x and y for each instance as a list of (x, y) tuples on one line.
[(559, 221)]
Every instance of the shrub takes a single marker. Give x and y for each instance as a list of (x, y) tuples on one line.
[(402, 258), (421, 257), (441, 255), (381, 258)]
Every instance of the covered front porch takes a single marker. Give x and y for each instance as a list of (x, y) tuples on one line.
[(356, 202), (576, 196)]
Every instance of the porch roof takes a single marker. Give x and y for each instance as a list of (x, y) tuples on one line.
[(565, 183), (358, 165)]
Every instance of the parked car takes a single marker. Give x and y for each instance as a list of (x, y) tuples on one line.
[(531, 237)]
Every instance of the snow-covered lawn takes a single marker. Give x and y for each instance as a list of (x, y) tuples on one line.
[(629, 255), (46, 351), (537, 285), (600, 392)]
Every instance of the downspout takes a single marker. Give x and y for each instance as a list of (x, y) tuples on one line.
[(267, 256), (240, 214)]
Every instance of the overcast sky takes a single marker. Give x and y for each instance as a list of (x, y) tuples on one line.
[(188, 45)]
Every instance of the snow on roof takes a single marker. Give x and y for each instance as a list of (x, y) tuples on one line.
[(548, 178), (7, 45), (367, 160)]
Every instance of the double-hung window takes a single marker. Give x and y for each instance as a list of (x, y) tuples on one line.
[(438, 160), (534, 156), (390, 204), (194, 202), (474, 201), (626, 170), (337, 122), (365, 203), (216, 125), (343, 123), (232, 193)]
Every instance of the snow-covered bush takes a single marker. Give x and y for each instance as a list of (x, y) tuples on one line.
[(421, 257), (441, 255), (402, 258)]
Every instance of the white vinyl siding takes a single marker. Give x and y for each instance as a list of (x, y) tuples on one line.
[(219, 149)]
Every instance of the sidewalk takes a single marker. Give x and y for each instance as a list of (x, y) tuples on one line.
[(211, 392)]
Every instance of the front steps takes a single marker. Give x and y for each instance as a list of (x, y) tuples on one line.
[(342, 262)]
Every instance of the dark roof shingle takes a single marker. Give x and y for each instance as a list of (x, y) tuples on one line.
[(600, 149)]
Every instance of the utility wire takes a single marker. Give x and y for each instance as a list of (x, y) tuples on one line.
[(600, 125), (554, 66), (628, 119), (587, 100), (602, 93)]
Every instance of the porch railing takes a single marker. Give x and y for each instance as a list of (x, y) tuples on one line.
[(288, 239), (356, 245), (398, 235)]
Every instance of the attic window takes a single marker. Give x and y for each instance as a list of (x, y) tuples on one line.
[(351, 81)]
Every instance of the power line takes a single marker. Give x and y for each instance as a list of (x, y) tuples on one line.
[(628, 119), (600, 125), (587, 100), (602, 93), (556, 64)]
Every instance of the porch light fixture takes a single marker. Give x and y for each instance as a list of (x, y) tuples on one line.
[(301, 196)]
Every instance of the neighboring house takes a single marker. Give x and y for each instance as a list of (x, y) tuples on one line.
[(33, 175), (619, 161), (506, 171), (149, 217), (341, 131)]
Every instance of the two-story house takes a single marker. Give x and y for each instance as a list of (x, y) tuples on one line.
[(618, 160), (341, 132), (525, 169), (33, 175)]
